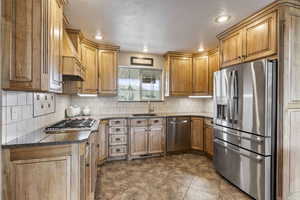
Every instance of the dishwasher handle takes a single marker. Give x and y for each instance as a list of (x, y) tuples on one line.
[(179, 122)]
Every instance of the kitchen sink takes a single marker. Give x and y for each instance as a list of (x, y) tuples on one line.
[(144, 115)]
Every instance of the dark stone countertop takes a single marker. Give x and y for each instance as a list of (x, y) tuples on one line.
[(40, 138)]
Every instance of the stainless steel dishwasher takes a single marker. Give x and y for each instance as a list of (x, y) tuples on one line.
[(178, 134)]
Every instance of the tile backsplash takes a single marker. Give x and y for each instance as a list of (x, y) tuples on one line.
[(17, 114), (110, 105), (18, 119)]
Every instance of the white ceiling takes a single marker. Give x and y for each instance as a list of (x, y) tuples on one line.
[(161, 25)]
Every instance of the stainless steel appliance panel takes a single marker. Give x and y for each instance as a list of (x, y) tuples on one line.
[(178, 134), (249, 171), (255, 143), (252, 97), (221, 98)]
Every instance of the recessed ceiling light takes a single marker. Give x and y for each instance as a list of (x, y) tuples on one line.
[(201, 49), (222, 19), (98, 37)]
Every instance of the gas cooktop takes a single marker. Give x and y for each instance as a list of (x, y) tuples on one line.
[(72, 124)]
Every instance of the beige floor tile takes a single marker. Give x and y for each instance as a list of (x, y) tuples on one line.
[(175, 177)]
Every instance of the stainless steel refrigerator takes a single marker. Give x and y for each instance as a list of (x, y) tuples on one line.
[(244, 126)]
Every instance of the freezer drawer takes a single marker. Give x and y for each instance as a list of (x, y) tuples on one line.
[(248, 171), (255, 143)]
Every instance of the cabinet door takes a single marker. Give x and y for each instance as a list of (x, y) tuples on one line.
[(209, 145), (197, 136), (156, 140), (102, 142), (93, 164), (213, 66), (89, 61), (108, 72), (55, 43), (231, 49), (138, 141), (260, 38), (180, 76), (38, 179), (200, 75)]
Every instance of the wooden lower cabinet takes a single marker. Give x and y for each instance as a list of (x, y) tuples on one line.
[(42, 178), (209, 140), (56, 172), (102, 142), (197, 134), (146, 140), (138, 141), (156, 140)]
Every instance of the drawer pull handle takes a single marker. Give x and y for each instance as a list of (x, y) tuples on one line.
[(118, 150), (118, 139), (156, 121), (118, 129), (139, 122), (87, 165), (117, 122), (98, 145)]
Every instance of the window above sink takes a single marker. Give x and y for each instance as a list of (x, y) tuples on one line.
[(139, 84)]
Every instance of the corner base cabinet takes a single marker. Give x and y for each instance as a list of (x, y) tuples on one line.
[(54, 172)]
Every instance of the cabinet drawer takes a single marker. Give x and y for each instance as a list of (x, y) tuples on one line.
[(118, 122), (117, 130), (117, 139), (117, 150), (156, 121), (138, 122)]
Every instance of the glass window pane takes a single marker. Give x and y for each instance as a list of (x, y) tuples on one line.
[(139, 84)]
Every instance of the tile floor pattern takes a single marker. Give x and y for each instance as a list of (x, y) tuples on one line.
[(176, 177)]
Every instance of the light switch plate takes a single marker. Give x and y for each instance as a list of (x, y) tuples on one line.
[(43, 104)]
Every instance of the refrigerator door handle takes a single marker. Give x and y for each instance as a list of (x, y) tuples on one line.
[(231, 97)]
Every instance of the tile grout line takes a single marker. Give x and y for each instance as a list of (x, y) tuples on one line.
[(188, 188)]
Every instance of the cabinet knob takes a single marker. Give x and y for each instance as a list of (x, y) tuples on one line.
[(87, 165)]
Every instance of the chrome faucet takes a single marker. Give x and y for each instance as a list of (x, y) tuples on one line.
[(150, 107)]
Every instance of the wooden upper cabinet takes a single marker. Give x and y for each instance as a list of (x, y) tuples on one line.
[(256, 39), (32, 39), (89, 61), (213, 66), (197, 134), (260, 38), (231, 49), (180, 76), (200, 75), (55, 49), (107, 72)]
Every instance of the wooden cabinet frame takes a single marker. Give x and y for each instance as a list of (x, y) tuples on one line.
[(250, 41)]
